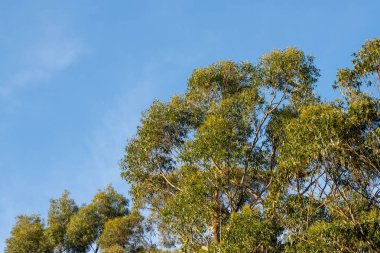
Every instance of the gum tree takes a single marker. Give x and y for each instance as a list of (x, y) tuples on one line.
[(202, 156), (27, 235), (60, 212), (85, 228)]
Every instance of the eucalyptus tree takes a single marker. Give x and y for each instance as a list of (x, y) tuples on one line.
[(252, 144), (105, 223), (85, 228), (204, 155), (329, 164), (60, 212), (27, 236), (123, 233)]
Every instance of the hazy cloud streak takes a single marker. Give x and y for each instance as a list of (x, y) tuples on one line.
[(41, 62)]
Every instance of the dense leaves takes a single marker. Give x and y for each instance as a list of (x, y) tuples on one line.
[(250, 159), (248, 231), (28, 236), (60, 213), (105, 222), (123, 232)]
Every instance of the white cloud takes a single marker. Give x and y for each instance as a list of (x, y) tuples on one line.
[(41, 61)]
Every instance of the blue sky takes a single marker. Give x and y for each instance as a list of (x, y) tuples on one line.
[(76, 75)]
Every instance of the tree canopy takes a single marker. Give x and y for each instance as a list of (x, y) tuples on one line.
[(27, 235), (105, 223), (248, 159)]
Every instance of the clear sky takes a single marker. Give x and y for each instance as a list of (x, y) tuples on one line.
[(75, 76)]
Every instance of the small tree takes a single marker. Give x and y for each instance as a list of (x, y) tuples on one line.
[(60, 212), (125, 232), (27, 236), (204, 155), (85, 228)]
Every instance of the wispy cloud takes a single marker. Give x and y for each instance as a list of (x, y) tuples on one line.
[(119, 123), (41, 61)]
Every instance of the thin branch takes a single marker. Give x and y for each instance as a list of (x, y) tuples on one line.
[(168, 182)]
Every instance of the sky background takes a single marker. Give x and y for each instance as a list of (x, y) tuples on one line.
[(75, 76)]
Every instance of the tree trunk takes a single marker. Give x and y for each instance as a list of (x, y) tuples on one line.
[(215, 219), (215, 226)]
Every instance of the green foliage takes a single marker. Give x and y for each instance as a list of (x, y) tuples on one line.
[(114, 249), (27, 236), (60, 212), (249, 158), (330, 156), (341, 236), (122, 233), (85, 228), (365, 72), (105, 222), (202, 156), (249, 231)]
